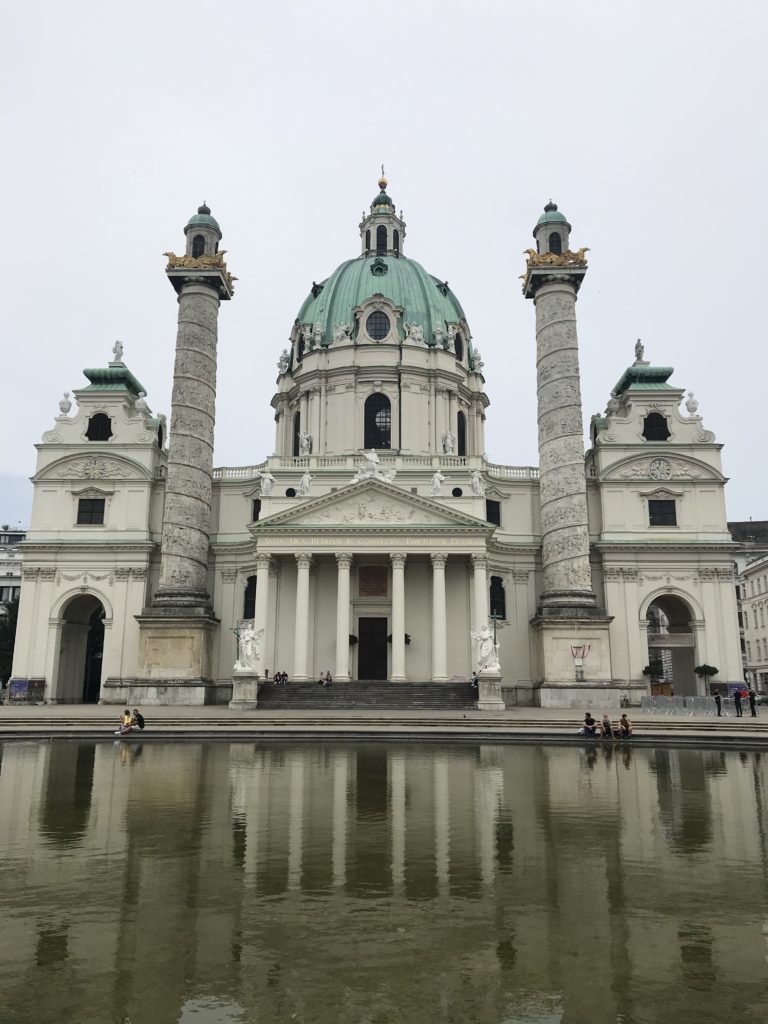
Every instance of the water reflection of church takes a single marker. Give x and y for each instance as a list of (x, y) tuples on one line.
[(141, 557), (417, 874)]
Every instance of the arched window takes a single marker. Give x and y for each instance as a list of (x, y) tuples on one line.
[(377, 426), (296, 433), (498, 598), (655, 427), (249, 598), (368, 240), (461, 434), (198, 246), (555, 243), (99, 427), (396, 241), (377, 325), (381, 240), (458, 344)]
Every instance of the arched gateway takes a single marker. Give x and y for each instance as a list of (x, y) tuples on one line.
[(671, 647), (77, 679)]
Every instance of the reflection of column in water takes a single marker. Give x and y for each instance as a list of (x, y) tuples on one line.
[(489, 793), (295, 818), (339, 847), (442, 824), (397, 815)]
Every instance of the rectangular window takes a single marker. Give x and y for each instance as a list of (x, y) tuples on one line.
[(493, 512), (255, 510), (90, 512), (662, 513)]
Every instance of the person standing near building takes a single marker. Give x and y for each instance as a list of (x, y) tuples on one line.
[(737, 703), (752, 703), (719, 703)]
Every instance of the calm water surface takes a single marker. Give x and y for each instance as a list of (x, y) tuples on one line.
[(217, 883)]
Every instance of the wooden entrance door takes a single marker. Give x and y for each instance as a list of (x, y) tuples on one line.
[(372, 648)]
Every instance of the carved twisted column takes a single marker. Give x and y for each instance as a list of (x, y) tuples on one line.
[(187, 513), (565, 534)]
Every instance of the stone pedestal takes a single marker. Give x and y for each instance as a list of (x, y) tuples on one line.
[(560, 687), (245, 690), (175, 653), (489, 691)]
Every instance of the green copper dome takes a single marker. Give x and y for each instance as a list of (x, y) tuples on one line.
[(202, 218), (425, 299), (382, 199), (551, 217)]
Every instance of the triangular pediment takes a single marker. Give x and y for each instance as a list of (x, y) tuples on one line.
[(370, 504)]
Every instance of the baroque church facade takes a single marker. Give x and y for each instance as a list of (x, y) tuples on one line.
[(378, 537)]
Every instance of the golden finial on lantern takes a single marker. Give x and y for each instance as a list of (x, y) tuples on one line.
[(382, 180)]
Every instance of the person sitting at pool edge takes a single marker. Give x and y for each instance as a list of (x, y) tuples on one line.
[(126, 723), (625, 727), (590, 726), (606, 727)]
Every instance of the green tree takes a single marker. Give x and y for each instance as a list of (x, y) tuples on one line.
[(9, 616)]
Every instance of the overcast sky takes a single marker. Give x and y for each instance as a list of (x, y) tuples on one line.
[(645, 122)]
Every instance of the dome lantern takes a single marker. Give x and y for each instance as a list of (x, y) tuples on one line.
[(382, 231), (203, 233), (552, 231)]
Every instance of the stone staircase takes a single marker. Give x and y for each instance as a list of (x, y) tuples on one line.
[(367, 696)]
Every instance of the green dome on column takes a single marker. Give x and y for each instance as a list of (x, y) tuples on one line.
[(552, 215), (202, 218)]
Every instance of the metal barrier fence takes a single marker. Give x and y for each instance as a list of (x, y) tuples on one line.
[(690, 706)]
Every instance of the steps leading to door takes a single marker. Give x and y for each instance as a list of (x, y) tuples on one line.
[(366, 695)]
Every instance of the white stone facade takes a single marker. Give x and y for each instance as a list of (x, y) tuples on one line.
[(376, 574)]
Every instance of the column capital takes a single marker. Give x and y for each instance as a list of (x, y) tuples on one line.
[(343, 559), (303, 559), (228, 575), (263, 562), (480, 559), (398, 559), (438, 559)]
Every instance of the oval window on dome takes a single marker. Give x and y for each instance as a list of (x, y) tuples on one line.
[(377, 325)]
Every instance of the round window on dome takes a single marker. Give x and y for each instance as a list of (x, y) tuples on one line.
[(377, 325)]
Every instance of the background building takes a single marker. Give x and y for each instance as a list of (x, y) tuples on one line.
[(10, 564), (378, 535), (754, 577)]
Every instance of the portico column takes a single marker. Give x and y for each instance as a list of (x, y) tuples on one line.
[(343, 561), (439, 632), (261, 605), (479, 591), (398, 618), (303, 561)]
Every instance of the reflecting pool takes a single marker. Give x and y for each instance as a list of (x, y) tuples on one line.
[(363, 884)]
